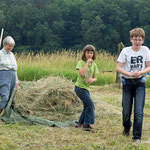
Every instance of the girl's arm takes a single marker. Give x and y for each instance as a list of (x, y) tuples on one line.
[(91, 80), (82, 71)]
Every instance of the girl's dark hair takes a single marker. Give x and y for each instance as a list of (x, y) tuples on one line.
[(89, 48)]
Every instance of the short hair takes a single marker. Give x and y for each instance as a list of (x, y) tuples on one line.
[(8, 41), (137, 32), (88, 48)]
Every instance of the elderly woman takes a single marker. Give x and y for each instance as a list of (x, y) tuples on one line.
[(8, 71)]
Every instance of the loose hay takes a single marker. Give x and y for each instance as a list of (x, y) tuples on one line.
[(52, 98)]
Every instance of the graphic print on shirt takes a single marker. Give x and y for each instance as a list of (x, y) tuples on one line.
[(136, 63)]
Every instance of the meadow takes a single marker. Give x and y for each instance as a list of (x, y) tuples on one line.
[(107, 131), (33, 67)]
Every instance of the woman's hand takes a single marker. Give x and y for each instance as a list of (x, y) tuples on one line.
[(17, 85)]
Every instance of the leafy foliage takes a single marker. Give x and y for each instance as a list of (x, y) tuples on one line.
[(71, 24)]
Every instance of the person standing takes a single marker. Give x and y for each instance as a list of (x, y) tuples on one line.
[(134, 63), (87, 74), (8, 71)]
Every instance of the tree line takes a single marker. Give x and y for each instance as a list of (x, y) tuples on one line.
[(46, 25)]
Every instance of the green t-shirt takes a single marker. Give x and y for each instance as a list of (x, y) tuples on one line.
[(90, 72)]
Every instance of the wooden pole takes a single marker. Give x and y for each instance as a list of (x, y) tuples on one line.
[(118, 79), (1, 37)]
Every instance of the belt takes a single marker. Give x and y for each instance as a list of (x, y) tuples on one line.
[(134, 79)]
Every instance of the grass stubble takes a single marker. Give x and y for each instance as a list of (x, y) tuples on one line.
[(107, 132)]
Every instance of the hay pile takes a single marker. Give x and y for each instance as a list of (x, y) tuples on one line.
[(52, 98)]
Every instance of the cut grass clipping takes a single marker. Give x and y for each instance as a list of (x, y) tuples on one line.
[(50, 98)]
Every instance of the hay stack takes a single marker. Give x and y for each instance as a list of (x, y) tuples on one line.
[(47, 95)]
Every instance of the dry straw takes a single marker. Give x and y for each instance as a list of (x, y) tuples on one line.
[(51, 94)]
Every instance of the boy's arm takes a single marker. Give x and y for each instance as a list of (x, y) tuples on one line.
[(146, 70), (120, 69)]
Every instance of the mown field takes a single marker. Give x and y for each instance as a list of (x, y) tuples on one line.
[(106, 135), (107, 131)]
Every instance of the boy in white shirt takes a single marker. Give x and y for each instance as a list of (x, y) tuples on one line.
[(134, 63)]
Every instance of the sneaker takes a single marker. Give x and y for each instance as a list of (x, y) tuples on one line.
[(78, 125), (87, 127), (126, 132), (137, 140)]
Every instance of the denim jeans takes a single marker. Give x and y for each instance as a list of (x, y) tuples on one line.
[(133, 90), (7, 83), (88, 114)]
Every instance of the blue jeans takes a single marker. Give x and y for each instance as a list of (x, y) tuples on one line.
[(133, 90), (7, 83), (88, 114)]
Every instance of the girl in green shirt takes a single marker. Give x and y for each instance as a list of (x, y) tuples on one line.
[(87, 74)]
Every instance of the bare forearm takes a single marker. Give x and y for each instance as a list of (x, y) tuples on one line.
[(145, 71), (124, 72), (91, 80), (94, 79), (17, 81), (82, 71)]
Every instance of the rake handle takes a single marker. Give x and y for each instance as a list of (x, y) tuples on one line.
[(1, 36)]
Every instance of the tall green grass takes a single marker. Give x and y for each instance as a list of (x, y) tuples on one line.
[(33, 67)]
